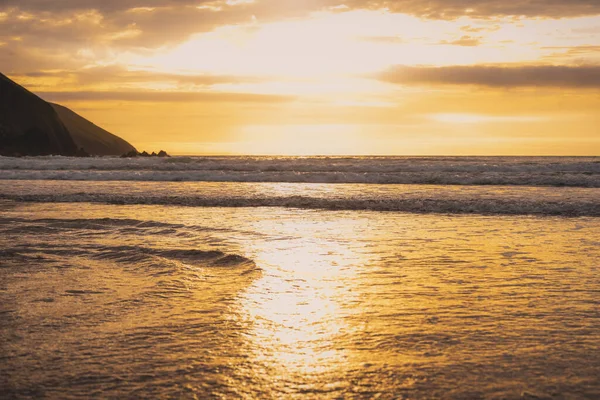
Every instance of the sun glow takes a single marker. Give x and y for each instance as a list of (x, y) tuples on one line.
[(349, 44), (300, 139), (333, 81)]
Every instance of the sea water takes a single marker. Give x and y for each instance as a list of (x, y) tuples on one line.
[(256, 277)]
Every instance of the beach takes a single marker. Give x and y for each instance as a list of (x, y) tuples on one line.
[(117, 286)]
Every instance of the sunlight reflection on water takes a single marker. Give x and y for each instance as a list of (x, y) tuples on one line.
[(295, 309), (348, 304)]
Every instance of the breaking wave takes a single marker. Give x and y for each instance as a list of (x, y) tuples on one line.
[(528, 171), (503, 205)]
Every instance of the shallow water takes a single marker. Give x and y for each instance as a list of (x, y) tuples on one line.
[(101, 300)]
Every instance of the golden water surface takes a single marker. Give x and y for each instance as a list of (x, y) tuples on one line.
[(176, 302)]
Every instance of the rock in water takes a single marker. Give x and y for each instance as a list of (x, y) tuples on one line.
[(29, 125), (130, 154), (95, 140)]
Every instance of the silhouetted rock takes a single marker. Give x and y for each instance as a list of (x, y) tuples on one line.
[(29, 125), (91, 137), (134, 153), (130, 154)]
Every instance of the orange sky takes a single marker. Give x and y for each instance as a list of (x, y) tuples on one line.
[(318, 76)]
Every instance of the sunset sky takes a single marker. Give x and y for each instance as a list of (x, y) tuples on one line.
[(407, 77)]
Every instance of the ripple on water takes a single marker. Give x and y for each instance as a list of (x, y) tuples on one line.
[(275, 303)]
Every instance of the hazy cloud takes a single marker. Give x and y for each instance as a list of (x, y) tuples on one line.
[(133, 24), (450, 9), (104, 25), (496, 76), (575, 54), (162, 96), (93, 28), (105, 6), (575, 50), (466, 40), (74, 33), (118, 75), (430, 9), (479, 29)]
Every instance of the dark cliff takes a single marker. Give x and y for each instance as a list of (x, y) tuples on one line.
[(29, 125), (93, 139)]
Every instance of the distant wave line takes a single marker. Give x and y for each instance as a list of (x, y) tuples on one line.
[(483, 206), (584, 180)]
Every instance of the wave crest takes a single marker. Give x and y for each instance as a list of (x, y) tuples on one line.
[(530, 171)]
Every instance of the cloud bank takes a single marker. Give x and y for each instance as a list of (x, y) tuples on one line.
[(496, 76), (162, 96), (428, 9)]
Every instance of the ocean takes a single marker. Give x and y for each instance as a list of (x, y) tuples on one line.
[(300, 277)]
